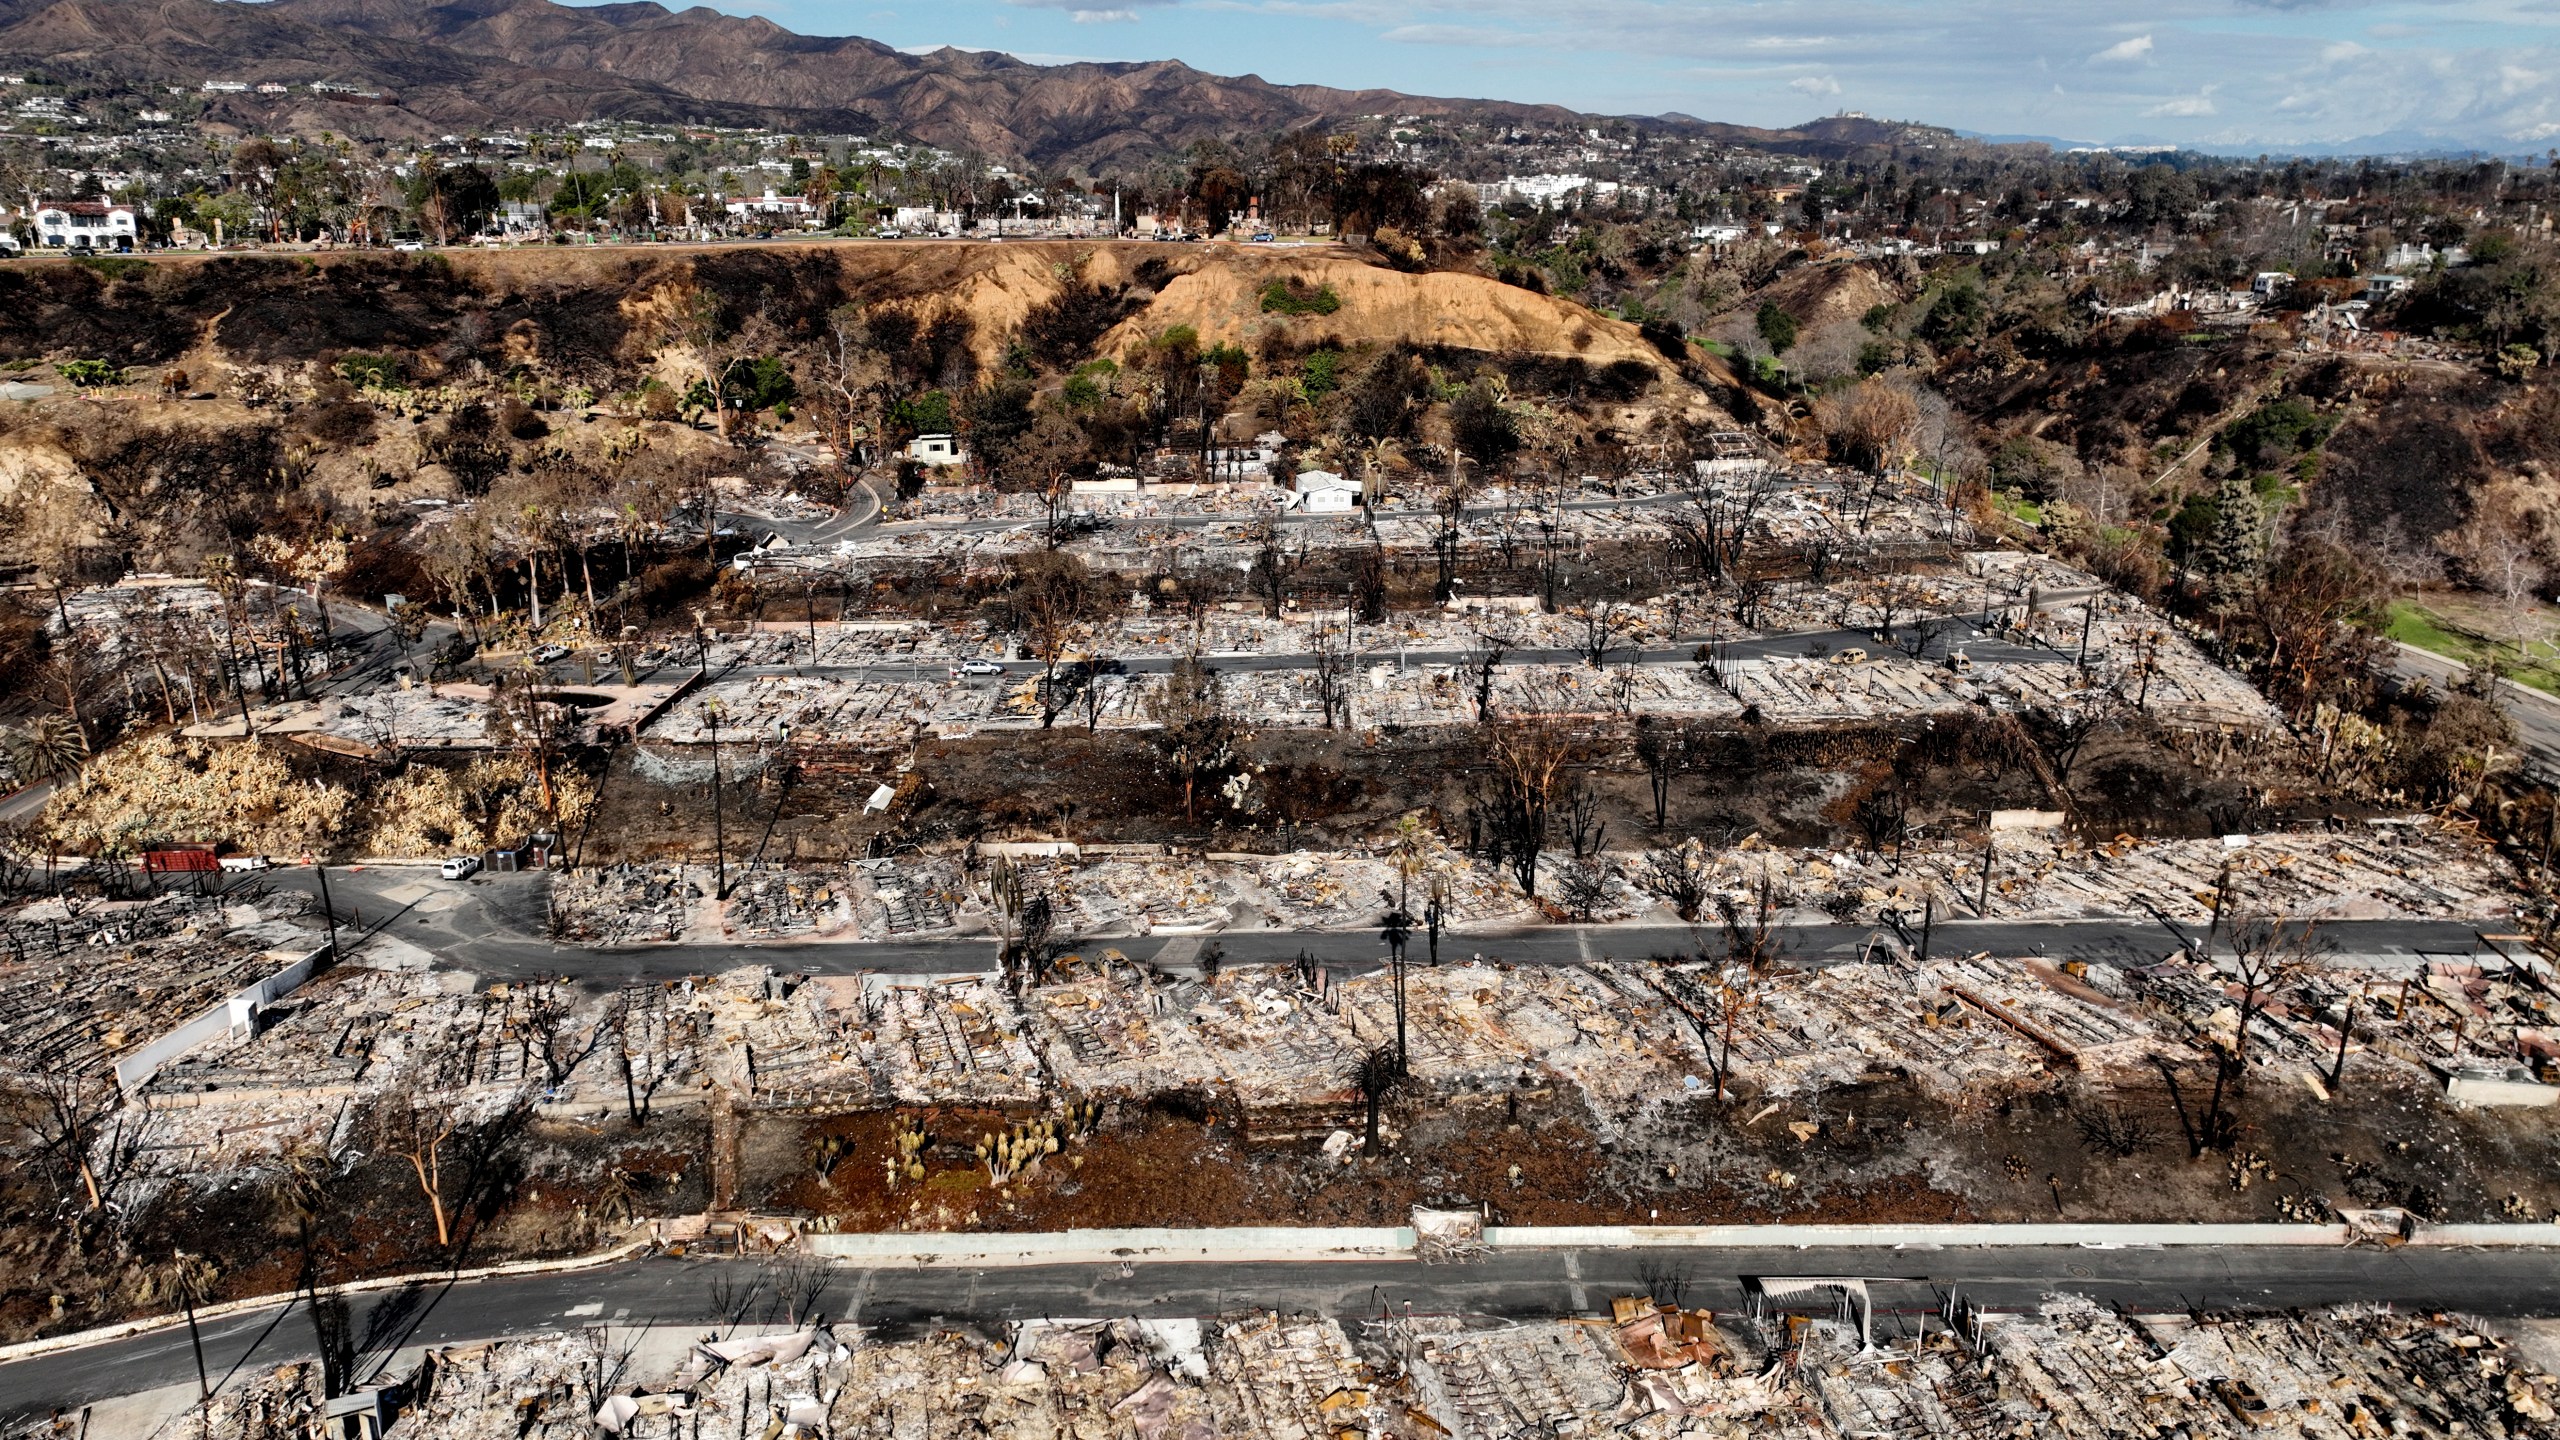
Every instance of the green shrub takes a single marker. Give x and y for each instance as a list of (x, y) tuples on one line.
[(89, 374), (1292, 297), (372, 372)]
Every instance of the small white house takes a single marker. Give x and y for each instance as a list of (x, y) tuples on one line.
[(773, 207), (61, 224), (2267, 284), (936, 450), (1321, 492)]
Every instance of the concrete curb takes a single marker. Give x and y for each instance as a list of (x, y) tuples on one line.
[(1950, 1237), (1110, 1247), (125, 1330)]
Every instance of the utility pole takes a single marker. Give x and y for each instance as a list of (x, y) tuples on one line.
[(321, 868), (1928, 922), (2088, 615), (1990, 852), (719, 836)]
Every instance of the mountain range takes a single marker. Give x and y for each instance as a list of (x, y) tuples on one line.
[(482, 63)]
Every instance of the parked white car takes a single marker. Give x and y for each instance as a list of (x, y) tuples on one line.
[(461, 867), (977, 667)]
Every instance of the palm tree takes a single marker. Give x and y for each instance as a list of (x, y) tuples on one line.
[(1375, 1074), (1376, 458), (185, 1279), (49, 747)]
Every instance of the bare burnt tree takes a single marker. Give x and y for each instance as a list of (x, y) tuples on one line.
[(1330, 653), (547, 1027), (1752, 580), (1662, 748), (1678, 876), (797, 1281), (1716, 1004), (1896, 592), (1883, 815), (1272, 565), (1584, 885), (1716, 524), (418, 1126), (2069, 732), (1752, 935), (1526, 756), (1920, 636), (76, 1125), (1447, 537), (1598, 628), (1584, 830), (1483, 663), (2268, 958), (637, 1023)]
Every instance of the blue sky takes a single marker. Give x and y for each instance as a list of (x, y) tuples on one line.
[(2224, 73)]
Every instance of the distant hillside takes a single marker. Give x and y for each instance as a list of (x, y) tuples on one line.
[(493, 62)]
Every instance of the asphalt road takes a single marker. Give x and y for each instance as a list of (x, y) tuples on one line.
[(2536, 715), (1519, 1285), (494, 925)]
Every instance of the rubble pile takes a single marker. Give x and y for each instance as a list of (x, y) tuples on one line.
[(955, 1041), (1116, 1035), (908, 897), (622, 904), (1789, 691), (408, 716), (122, 974), (2071, 1369), (772, 902), (1150, 896), (270, 1402), (1290, 1379), (544, 1387), (1608, 1031), (1518, 1380), (787, 1037), (761, 710), (2084, 1369), (2412, 868), (1959, 1030), (1276, 1043), (295, 1081)]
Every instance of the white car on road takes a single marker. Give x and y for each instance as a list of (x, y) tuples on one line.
[(461, 867), (977, 667)]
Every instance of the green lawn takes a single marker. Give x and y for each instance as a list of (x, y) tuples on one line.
[(2537, 664)]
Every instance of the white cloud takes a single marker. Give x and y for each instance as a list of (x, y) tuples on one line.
[(1785, 42), (1465, 35), (1100, 17), (2124, 52), (1814, 85), (2184, 106)]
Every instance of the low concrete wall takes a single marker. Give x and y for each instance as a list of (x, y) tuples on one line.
[(2469, 1091), (135, 1070), (1104, 1247)]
